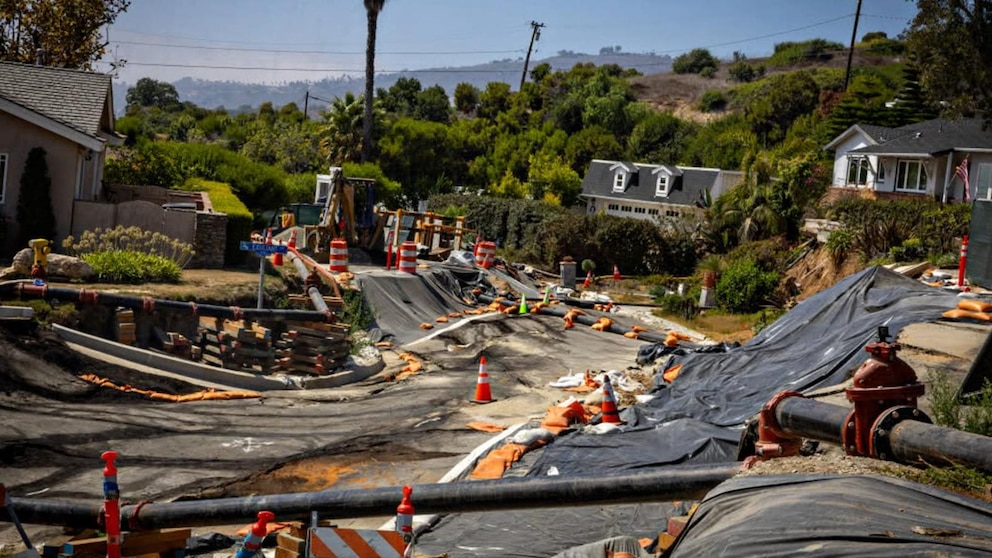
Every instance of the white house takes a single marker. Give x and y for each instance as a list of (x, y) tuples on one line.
[(914, 160), (651, 191)]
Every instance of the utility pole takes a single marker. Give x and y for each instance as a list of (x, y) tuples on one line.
[(535, 35), (850, 53), (306, 105)]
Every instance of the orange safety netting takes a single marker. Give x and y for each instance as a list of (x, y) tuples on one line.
[(207, 394)]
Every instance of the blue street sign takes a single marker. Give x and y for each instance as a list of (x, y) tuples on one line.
[(262, 249)]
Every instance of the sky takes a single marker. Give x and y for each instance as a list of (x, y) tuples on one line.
[(275, 41)]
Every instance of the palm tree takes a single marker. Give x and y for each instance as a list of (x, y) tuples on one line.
[(341, 140), (372, 9)]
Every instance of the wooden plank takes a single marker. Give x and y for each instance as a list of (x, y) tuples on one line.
[(284, 553), (133, 544), (289, 542)]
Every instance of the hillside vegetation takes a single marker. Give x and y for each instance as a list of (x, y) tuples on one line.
[(526, 151)]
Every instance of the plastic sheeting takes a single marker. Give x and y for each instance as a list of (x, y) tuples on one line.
[(799, 515), (400, 302), (816, 344), (543, 532), (681, 441)]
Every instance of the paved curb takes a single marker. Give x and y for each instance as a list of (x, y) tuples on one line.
[(232, 378)]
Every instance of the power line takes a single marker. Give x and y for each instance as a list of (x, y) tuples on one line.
[(270, 68), (769, 35), (281, 51)]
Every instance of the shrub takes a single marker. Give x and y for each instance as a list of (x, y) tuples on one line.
[(948, 411), (743, 72), (129, 239), (840, 244), (712, 100), (131, 266), (694, 62), (744, 286), (239, 219), (683, 306), (806, 51)]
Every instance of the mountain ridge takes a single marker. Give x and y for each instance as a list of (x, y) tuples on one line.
[(242, 96)]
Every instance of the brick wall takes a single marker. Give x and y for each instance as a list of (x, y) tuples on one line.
[(209, 240)]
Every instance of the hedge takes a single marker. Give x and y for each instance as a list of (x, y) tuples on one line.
[(239, 219)]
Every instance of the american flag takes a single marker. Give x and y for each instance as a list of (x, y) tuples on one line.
[(962, 173)]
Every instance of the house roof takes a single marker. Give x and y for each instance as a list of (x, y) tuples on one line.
[(686, 189), (933, 137), (73, 98)]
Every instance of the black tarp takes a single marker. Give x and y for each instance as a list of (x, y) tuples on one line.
[(796, 515), (816, 344), (648, 444), (400, 302), (542, 533)]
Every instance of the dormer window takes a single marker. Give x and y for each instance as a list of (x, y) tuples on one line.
[(661, 187), (618, 180)]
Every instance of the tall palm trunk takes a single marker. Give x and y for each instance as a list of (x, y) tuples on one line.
[(372, 9)]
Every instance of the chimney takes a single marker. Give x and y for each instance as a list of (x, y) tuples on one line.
[(38, 54)]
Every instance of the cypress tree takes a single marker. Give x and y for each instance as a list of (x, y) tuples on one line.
[(34, 205)]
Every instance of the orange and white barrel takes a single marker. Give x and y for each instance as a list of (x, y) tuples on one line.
[(486, 254), (339, 255), (408, 257)]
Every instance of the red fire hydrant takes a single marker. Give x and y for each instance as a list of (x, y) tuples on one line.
[(883, 385)]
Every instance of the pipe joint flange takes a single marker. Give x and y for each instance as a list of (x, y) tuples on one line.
[(881, 443), (768, 412)]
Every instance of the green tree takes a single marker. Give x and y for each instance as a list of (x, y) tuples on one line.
[(548, 174), (401, 97), (911, 104), (952, 43), (416, 153), (779, 101), (694, 62), (433, 105), (591, 143), (66, 31), (659, 137), (466, 98), (342, 135), (494, 100), (149, 92), (372, 9), (34, 204)]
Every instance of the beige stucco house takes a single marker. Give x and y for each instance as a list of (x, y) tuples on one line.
[(69, 113)]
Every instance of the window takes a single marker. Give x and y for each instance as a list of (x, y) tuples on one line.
[(618, 180), (625, 208), (662, 187), (983, 184), (911, 176), (857, 171), (652, 212), (880, 176), (3, 177), (613, 207)]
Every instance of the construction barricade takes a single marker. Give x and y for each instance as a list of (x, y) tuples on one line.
[(339, 255), (485, 255), (408, 257)]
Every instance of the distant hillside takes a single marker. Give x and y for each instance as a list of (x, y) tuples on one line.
[(236, 95)]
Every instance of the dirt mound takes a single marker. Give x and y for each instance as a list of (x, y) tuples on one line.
[(817, 271), (40, 363)]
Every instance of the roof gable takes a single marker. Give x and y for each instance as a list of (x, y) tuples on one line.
[(80, 100), (934, 137), (686, 188)]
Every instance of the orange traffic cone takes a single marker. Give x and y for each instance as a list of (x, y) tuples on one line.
[(292, 240), (610, 414), (588, 281), (616, 272), (483, 394)]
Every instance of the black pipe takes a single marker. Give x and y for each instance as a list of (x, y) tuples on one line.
[(663, 485), (913, 441), (909, 441), (808, 418), (315, 297), (148, 304)]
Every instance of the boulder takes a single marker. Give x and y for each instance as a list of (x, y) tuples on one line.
[(58, 266)]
